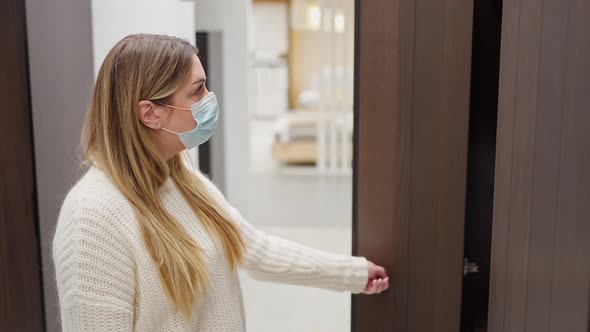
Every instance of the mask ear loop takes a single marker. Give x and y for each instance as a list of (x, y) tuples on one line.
[(174, 107), (178, 108), (170, 131)]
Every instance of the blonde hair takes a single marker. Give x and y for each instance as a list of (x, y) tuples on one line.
[(153, 67)]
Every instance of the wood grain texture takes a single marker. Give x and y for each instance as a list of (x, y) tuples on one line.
[(441, 112), (383, 155), (413, 75), (540, 253)]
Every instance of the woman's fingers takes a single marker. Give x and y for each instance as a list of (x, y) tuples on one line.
[(376, 271), (381, 272), (378, 279), (377, 286), (385, 283)]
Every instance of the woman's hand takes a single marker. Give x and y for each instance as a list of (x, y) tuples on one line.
[(378, 279)]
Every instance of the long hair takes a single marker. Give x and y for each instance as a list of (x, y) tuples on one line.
[(153, 67)]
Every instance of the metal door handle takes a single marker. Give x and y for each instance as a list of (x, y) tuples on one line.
[(469, 267)]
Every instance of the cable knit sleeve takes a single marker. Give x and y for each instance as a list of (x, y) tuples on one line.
[(94, 269), (270, 258)]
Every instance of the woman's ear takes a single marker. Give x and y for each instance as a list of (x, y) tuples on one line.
[(149, 114)]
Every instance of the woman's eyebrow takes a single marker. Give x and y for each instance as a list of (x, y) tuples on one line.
[(200, 80)]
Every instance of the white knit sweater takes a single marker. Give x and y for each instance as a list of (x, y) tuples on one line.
[(107, 280)]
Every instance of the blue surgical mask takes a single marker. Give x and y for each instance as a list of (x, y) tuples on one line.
[(205, 112)]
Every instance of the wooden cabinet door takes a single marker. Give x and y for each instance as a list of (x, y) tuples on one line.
[(540, 273), (412, 82)]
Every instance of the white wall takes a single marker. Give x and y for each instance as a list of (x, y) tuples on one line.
[(269, 88), (232, 18), (60, 71), (114, 19), (270, 27)]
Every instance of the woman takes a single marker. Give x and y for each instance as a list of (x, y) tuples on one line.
[(144, 241)]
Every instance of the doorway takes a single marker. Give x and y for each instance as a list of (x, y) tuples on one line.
[(479, 205), (523, 208)]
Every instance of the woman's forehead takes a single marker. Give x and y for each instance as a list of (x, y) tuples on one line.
[(198, 73)]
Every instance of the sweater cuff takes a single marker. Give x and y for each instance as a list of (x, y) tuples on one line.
[(359, 275)]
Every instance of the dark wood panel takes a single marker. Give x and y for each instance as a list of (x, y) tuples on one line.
[(541, 241), (412, 103), (546, 165), (504, 148), (514, 161), (20, 278), (440, 136), (384, 97), (520, 193), (571, 268)]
